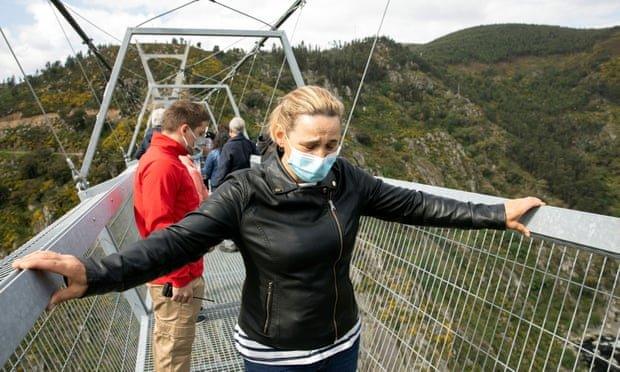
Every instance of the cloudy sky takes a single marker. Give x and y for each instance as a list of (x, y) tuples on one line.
[(36, 36)]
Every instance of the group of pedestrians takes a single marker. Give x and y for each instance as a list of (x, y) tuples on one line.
[(231, 151), (216, 155), (294, 218)]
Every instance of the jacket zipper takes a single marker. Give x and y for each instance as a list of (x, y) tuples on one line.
[(268, 306), (333, 212)]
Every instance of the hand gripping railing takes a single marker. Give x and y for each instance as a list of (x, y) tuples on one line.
[(448, 299), (97, 333), (430, 299)]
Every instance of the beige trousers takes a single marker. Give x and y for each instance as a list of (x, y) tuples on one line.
[(175, 328)]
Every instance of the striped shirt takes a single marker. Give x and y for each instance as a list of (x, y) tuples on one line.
[(259, 353)]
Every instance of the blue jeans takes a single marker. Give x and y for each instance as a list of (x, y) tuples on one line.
[(344, 361)]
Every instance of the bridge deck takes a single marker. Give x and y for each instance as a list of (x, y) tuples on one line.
[(213, 346)]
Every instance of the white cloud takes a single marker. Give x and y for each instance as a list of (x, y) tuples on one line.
[(38, 40)]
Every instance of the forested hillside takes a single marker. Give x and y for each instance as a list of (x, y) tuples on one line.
[(508, 110), (557, 92)]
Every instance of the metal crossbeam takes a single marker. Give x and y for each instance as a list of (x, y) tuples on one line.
[(150, 96), (131, 32), (179, 76)]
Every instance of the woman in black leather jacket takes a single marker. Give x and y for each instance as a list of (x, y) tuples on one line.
[(294, 219)]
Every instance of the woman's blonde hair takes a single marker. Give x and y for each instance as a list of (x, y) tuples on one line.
[(308, 100)]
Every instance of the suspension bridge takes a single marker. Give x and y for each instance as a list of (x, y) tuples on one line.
[(430, 298)]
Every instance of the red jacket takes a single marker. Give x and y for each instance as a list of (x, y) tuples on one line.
[(163, 194)]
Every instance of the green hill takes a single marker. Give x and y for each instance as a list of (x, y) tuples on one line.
[(538, 118), (502, 42), (563, 111)]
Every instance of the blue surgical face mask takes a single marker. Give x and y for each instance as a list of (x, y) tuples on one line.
[(308, 167)]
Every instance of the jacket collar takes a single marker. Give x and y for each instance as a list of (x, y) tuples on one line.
[(281, 183), (167, 145), (238, 137)]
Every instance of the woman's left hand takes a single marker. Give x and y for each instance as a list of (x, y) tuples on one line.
[(516, 208)]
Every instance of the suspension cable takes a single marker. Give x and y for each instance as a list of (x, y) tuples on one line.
[(134, 101), (213, 1), (225, 97), (359, 87), (281, 20), (204, 78), (299, 4), (263, 125), (296, 5), (120, 41), (92, 23), (88, 41), (213, 55), (212, 77), (220, 72), (167, 12), (241, 12), (244, 86), (74, 171), (124, 97), (90, 85), (247, 78), (133, 47), (217, 96), (92, 89)]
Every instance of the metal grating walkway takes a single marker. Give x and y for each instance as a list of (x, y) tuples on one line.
[(213, 346)]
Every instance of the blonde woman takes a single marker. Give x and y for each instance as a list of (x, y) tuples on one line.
[(294, 220)]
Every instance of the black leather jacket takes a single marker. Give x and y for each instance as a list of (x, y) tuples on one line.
[(296, 243)]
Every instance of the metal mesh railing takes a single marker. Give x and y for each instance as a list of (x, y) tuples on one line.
[(430, 299), (123, 230), (38, 241), (93, 334), (446, 299)]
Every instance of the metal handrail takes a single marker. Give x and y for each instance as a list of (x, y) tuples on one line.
[(25, 294), (428, 297)]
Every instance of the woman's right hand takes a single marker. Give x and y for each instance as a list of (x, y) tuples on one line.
[(67, 265)]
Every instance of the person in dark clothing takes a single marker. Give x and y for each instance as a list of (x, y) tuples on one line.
[(295, 220), (156, 120), (210, 164), (236, 152), (146, 142)]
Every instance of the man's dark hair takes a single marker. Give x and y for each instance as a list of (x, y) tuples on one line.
[(184, 112)]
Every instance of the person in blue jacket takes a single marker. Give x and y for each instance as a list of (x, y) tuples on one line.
[(210, 165)]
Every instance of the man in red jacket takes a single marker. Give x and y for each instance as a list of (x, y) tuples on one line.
[(163, 193)]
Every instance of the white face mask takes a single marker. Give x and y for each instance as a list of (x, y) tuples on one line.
[(191, 150)]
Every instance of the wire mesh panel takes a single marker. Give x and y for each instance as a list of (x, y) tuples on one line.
[(123, 226), (447, 299), (123, 230), (92, 334)]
